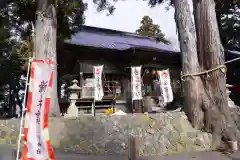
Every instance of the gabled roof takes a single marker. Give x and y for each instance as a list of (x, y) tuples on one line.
[(118, 40)]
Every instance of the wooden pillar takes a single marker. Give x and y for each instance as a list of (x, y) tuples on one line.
[(132, 148), (137, 106), (126, 92)]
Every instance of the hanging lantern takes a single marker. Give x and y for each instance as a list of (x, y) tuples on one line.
[(147, 71), (153, 72)]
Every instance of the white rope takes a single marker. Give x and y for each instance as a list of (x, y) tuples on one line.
[(233, 60)]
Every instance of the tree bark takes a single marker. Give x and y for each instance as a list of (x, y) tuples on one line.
[(45, 44), (205, 98), (188, 46), (211, 54)]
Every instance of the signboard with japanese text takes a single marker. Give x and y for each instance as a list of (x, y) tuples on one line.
[(165, 85), (136, 83), (98, 87), (36, 136)]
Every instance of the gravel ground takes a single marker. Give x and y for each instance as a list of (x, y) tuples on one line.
[(7, 153), (194, 156), (189, 156)]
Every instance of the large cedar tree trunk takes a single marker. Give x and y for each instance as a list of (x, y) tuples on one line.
[(188, 46), (45, 44), (218, 119), (205, 97)]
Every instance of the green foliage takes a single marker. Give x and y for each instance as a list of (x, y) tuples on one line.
[(108, 4), (10, 81), (16, 19), (149, 29), (228, 16), (11, 70), (105, 5), (4, 34), (70, 16)]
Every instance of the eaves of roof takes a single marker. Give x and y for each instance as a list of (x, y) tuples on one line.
[(109, 39)]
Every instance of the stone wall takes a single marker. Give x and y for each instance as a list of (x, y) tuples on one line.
[(161, 134)]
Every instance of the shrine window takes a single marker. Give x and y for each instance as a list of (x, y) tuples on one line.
[(111, 84)]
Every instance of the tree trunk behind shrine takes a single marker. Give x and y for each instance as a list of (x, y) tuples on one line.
[(205, 95), (211, 55), (188, 46), (45, 44)]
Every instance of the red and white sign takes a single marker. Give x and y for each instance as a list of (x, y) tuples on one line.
[(165, 85), (36, 136), (98, 88)]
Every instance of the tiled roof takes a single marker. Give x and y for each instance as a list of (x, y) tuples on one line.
[(118, 40), (111, 39)]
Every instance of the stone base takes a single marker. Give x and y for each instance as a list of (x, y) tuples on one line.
[(72, 112), (157, 134), (231, 104)]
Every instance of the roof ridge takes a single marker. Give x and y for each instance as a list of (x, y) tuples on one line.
[(116, 31), (113, 39)]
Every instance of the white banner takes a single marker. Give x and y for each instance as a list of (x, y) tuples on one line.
[(165, 85), (36, 136), (98, 88), (136, 83)]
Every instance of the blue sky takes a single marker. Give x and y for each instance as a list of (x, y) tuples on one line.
[(128, 15)]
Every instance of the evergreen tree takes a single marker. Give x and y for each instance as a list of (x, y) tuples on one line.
[(148, 28)]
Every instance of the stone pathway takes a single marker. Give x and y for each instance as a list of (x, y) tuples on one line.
[(235, 156)]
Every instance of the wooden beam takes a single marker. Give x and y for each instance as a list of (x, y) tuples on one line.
[(132, 147)]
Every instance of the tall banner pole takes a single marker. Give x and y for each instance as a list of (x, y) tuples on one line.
[(94, 90), (24, 108), (133, 107)]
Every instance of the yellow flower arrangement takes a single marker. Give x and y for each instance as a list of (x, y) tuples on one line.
[(109, 111), (145, 116)]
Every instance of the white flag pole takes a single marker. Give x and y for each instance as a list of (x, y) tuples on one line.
[(133, 105), (24, 108), (93, 103)]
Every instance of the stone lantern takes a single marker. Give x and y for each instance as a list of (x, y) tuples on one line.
[(231, 104), (74, 96)]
